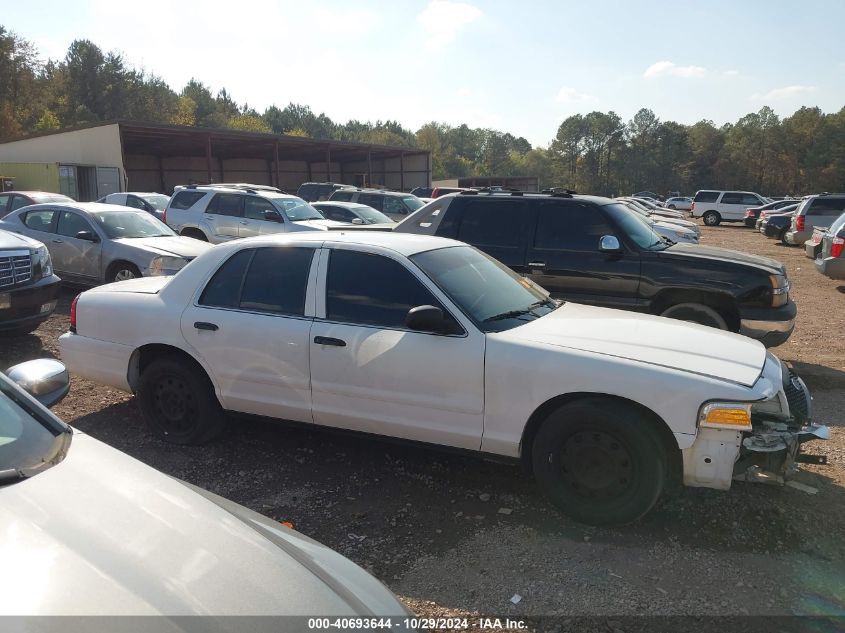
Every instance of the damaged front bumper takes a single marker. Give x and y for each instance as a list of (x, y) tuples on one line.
[(770, 452)]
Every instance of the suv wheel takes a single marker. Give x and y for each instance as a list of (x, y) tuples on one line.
[(600, 462), (696, 313), (194, 233), (178, 402), (711, 218)]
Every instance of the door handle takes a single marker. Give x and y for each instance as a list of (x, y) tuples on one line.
[(328, 340), (536, 264), (58, 242), (204, 325)]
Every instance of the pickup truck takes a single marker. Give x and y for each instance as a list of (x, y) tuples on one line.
[(596, 251)]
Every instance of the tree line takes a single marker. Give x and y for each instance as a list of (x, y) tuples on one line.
[(595, 153)]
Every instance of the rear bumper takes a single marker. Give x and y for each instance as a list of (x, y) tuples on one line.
[(812, 250), (100, 361), (770, 326), (833, 267), (30, 304), (750, 222), (771, 230)]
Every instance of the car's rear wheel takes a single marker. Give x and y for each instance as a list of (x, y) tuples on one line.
[(696, 313), (178, 402), (600, 461), (783, 238), (196, 234), (711, 218), (121, 271)]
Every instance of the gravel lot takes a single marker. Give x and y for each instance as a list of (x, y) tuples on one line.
[(435, 526)]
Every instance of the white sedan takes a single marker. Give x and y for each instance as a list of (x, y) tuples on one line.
[(428, 339)]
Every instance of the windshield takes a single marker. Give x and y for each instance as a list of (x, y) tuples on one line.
[(413, 203), (296, 209), (131, 224), (157, 201), (636, 227), (29, 441), (371, 216), (487, 291)]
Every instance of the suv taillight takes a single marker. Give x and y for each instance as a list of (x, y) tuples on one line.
[(799, 222), (837, 246), (73, 314)]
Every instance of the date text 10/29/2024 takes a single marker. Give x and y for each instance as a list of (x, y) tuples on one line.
[(417, 624)]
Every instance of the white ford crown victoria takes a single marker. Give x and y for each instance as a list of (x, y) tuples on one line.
[(428, 339)]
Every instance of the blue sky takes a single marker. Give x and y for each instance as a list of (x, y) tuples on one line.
[(520, 67)]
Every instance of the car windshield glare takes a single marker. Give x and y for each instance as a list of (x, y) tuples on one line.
[(297, 210), (487, 291), (636, 227), (28, 443), (157, 201), (413, 203), (131, 224), (372, 215)]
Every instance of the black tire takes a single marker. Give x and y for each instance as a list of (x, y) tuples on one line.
[(696, 313), (711, 218), (672, 206), (782, 238), (600, 461), (195, 233), (178, 402), (121, 271)]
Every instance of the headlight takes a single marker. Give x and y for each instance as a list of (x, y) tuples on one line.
[(42, 265), (167, 265), (726, 415), (780, 290)]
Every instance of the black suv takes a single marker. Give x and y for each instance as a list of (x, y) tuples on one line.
[(597, 251), (318, 191), (28, 287)]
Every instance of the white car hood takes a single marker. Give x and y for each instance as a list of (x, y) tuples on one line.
[(649, 339), (172, 245), (102, 534)]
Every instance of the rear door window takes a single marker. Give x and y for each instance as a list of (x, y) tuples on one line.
[(393, 205), (338, 214), (343, 196), (18, 202), (254, 208), (373, 200), (224, 289), (136, 203), (228, 204), (706, 196), (732, 197), (186, 199), (41, 220), (831, 207), (276, 281)]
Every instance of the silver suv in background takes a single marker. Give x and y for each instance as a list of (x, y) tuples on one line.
[(394, 204), (818, 210), (219, 213), (715, 207)]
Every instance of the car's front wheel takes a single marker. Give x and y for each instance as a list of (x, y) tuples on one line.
[(178, 402), (600, 461), (711, 218), (672, 206), (696, 313), (122, 271)]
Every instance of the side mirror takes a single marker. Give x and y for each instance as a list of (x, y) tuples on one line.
[(44, 379), (357, 221), (88, 236), (609, 244), (272, 216), (426, 319)]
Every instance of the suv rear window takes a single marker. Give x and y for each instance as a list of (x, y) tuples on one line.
[(827, 206), (706, 196), (186, 199)]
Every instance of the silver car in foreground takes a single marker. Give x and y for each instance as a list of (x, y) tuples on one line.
[(89, 531), (92, 243)]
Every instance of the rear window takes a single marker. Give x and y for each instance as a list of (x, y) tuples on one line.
[(186, 199), (706, 196), (827, 206)]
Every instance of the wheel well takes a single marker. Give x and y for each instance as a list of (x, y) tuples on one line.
[(673, 453), (146, 354), (724, 304), (192, 230)]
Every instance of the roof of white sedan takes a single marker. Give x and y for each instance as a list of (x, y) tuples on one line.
[(406, 244), (88, 207)]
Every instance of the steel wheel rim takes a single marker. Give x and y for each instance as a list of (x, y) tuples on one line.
[(124, 274), (174, 404), (596, 465)]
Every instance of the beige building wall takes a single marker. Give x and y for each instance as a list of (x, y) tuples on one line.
[(32, 176), (98, 146)]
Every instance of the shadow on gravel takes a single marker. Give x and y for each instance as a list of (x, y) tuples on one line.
[(820, 377), (14, 350)]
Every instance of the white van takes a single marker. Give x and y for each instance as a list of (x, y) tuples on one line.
[(724, 206)]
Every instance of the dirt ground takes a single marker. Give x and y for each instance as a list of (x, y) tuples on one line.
[(431, 525)]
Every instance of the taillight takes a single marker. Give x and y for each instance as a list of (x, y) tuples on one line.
[(749, 213), (692, 207), (73, 314), (837, 246), (799, 222)]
